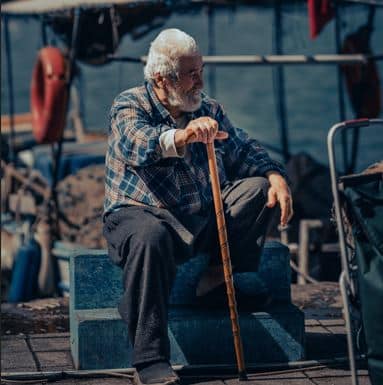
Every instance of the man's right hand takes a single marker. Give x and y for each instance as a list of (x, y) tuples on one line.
[(203, 129)]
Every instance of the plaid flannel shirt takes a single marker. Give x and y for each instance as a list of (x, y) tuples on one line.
[(138, 173)]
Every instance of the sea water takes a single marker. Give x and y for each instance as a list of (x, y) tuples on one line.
[(248, 93)]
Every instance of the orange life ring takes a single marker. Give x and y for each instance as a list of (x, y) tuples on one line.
[(49, 95)]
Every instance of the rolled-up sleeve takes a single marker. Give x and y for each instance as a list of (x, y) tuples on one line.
[(168, 145)]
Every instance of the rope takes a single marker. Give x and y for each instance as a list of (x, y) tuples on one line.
[(304, 275)]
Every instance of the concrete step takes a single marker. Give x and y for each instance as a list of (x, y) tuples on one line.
[(96, 283), (99, 337)]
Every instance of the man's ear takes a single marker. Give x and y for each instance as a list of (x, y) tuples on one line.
[(160, 81)]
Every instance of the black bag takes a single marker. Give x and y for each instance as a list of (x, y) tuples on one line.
[(365, 207)]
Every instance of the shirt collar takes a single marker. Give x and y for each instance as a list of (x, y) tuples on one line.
[(156, 102)]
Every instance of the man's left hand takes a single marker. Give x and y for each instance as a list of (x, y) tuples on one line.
[(279, 192)]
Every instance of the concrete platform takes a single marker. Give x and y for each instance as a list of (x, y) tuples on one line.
[(99, 338), (325, 340)]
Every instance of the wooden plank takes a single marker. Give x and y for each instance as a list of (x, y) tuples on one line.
[(363, 380), (336, 329), (22, 123), (332, 322), (332, 373), (13, 346), (51, 361), (22, 361), (311, 322), (50, 344)]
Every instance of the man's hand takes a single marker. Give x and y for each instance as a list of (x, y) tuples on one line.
[(279, 192), (203, 129)]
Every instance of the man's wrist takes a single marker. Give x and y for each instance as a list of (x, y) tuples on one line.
[(273, 173), (275, 178), (179, 138), (168, 147)]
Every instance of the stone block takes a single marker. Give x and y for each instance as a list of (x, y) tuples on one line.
[(99, 337), (198, 336), (96, 283)]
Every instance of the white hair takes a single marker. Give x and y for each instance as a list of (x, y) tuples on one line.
[(164, 52)]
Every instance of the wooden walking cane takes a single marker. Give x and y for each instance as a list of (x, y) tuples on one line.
[(225, 254)]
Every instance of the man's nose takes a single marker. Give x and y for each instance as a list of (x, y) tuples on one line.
[(199, 81)]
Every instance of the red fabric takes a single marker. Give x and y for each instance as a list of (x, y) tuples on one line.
[(320, 13), (362, 80)]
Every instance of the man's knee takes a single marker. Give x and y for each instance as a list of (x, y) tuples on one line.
[(256, 187), (246, 195), (150, 248), (153, 234)]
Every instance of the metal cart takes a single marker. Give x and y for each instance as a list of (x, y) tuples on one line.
[(358, 200)]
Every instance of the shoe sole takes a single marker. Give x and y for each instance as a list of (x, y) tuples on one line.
[(166, 381)]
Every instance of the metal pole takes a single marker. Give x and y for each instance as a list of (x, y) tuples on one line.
[(226, 262), (343, 284), (72, 56), (211, 49), (57, 150), (12, 155), (280, 81), (269, 60), (355, 133), (342, 114), (44, 37), (304, 247)]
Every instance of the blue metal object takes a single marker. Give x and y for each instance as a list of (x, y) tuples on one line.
[(69, 164), (24, 285)]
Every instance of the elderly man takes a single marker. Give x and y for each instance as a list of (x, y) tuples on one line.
[(158, 204)]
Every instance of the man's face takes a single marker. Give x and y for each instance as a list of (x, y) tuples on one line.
[(185, 92)]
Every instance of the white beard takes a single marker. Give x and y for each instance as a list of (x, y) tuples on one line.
[(186, 102)]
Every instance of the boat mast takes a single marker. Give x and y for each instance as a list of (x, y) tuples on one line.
[(341, 103), (211, 49), (12, 155)]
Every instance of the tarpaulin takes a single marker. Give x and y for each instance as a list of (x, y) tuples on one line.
[(366, 206)]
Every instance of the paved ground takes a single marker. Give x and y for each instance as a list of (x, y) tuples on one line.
[(325, 339), (30, 353)]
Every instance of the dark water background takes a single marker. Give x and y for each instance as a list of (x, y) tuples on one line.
[(248, 93)]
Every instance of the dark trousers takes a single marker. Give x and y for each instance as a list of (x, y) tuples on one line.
[(148, 243)]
